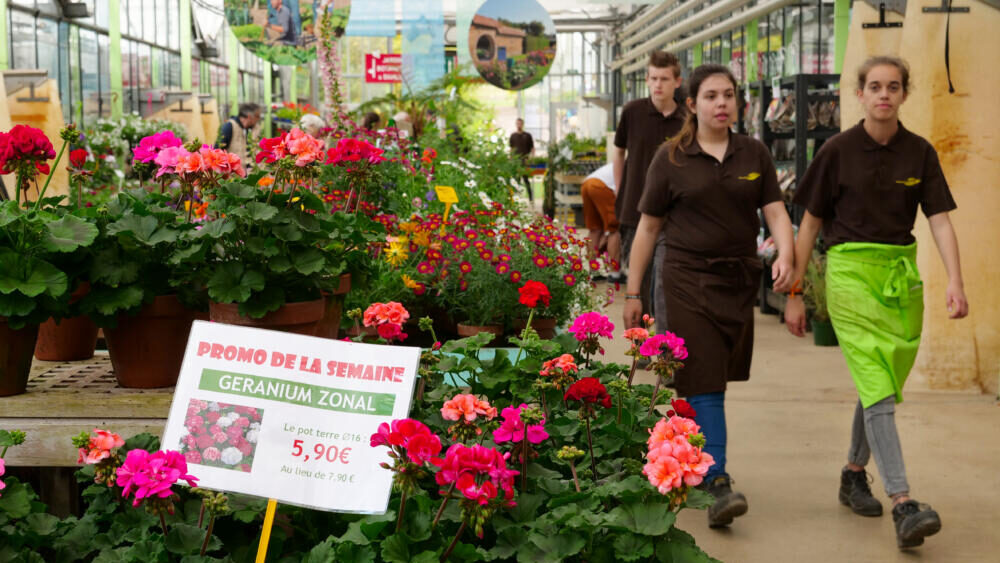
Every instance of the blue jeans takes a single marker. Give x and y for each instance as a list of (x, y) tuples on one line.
[(710, 414)]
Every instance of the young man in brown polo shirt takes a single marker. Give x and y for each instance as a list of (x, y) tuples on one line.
[(645, 124), (523, 145)]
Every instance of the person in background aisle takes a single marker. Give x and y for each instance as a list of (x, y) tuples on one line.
[(863, 189), (370, 121), (312, 124), (233, 133), (645, 125), (703, 189), (598, 192), (523, 145)]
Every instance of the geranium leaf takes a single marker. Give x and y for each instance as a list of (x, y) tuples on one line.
[(68, 234), (263, 302), (260, 211), (185, 539), (15, 501), (653, 519), (287, 233), (373, 525), (31, 276), (630, 547), (426, 557), (109, 301), (352, 553), (679, 547), (557, 547), (396, 549), (215, 228), (509, 542), (15, 305), (309, 261), (231, 284), (279, 264), (264, 247), (698, 499), (417, 526), (9, 212)]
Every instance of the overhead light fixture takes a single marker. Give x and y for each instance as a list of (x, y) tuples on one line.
[(74, 10)]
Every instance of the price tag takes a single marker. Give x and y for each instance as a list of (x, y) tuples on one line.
[(289, 417), (776, 88), (446, 194)]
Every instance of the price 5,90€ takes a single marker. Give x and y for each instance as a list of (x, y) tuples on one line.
[(331, 454)]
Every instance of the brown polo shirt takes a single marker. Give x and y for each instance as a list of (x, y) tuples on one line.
[(868, 192), (522, 143), (641, 130), (710, 207)]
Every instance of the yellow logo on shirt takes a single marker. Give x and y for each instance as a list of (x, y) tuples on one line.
[(909, 182), (750, 177)]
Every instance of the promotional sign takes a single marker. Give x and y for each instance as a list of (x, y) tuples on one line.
[(289, 417), (383, 69)]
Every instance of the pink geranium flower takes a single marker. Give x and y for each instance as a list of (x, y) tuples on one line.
[(657, 343), (149, 147), (468, 408), (100, 446), (2, 471), (152, 475), (168, 159), (591, 324), (513, 428)]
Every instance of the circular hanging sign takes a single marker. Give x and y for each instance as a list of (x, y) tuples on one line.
[(284, 32), (512, 43)]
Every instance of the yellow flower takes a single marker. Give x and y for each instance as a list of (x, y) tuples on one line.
[(408, 282), (422, 238), (397, 252), (408, 227)]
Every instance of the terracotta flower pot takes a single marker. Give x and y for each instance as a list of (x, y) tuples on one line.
[(16, 349), (70, 339), (329, 325), (472, 330), (147, 349), (545, 327), (299, 318)]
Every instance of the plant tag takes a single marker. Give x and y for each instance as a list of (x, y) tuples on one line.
[(446, 194)]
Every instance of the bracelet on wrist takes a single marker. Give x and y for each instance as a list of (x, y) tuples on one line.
[(633, 296)]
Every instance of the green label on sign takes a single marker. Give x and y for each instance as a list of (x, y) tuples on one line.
[(316, 396)]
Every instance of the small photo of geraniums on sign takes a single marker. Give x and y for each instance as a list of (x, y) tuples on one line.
[(221, 435)]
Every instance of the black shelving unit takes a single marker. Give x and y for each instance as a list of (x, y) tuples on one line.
[(800, 85)]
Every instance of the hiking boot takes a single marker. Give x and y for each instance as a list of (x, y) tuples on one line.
[(855, 493), (914, 521), (728, 504)]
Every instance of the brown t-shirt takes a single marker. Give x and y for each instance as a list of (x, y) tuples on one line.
[(868, 192), (641, 130), (522, 143), (710, 207)]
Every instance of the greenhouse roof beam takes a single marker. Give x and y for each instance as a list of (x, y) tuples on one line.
[(674, 31), (736, 20), (646, 17)]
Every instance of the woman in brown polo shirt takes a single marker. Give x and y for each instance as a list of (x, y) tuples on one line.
[(704, 188), (863, 189)]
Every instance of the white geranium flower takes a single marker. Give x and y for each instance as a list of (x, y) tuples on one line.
[(213, 406), (254, 426), (224, 421), (231, 456), (252, 436)]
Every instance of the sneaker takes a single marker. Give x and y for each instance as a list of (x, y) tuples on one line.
[(617, 277), (728, 504), (914, 521), (855, 493)]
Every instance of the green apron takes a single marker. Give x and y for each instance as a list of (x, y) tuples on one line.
[(876, 303)]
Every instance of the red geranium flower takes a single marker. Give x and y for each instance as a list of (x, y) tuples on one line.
[(682, 408), (589, 390), (77, 158), (532, 292)]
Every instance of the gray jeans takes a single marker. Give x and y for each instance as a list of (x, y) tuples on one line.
[(874, 432), (654, 301)]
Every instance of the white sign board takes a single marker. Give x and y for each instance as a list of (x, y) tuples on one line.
[(289, 417)]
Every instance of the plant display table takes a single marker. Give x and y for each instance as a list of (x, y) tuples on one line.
[(64, 398)]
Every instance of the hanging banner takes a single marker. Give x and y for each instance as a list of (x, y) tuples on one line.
[(383, 69), (423, 43), (289, 417), (372, 18)]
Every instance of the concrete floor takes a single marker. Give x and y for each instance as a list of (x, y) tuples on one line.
[(789, 430)]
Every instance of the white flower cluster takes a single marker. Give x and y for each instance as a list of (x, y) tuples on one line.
[(231, 456), (228, 420)]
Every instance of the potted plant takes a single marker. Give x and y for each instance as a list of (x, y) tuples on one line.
[(32, 287), (814, 294), (271, 252)]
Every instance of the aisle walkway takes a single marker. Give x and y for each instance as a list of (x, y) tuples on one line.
[(789, 432)]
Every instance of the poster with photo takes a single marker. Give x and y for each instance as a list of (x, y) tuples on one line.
[(284, 32), (289, 417)]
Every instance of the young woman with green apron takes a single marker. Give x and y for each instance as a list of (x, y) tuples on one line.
[(703, 189), (863, 190)]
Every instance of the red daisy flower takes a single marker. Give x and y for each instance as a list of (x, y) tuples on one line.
[(577, 266), (540, 261), (479, 244), (569, 279), (433, 254), (470, 234), (515, 276), (502, 268), (486, 255), (419, 289), (560, 260), (464, 267), (463, 285), (425, 268), (505, 258), (595, 265)]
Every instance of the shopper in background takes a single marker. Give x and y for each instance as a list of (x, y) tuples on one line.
[(370, 121), (312, 124), (645, 125), (598, 193), (703, 189), (523, 145), (862, 190), (233, 133)]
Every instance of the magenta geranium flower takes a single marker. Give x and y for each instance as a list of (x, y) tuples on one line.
[(152, 474), (151, 146), (513, 428), (657, 343), (591, 324)]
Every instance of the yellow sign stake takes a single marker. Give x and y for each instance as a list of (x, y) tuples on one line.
[(447, 196), (265, 533)]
